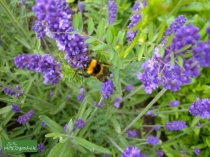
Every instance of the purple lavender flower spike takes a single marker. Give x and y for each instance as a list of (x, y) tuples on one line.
[(159, 153), (81, 6), (15, 108), (132, 133), (40, 147), (175, 125), (132, 151), (80, 97), (26, 117), (197, 151), (174, 103), (112, 10), (107, 89), (80, 123), (152, 140), (129, 87)]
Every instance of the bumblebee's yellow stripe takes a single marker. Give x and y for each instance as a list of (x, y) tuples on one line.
[(91, 66)]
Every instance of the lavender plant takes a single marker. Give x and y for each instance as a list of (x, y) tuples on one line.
[(154, 95)]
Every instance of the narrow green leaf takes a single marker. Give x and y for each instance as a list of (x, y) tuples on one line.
[(90, 26), (120, 37), (161, 51), (91, 146), (141, 52), (80, 22), (23, 42), (90, 40), (151, 31), (160, 33), (56, 150), (57, 108), (184, 48), (99, 47), (75, 22), (172, 59), (116, 125), (50, 135), (82, 107), (5, 109), (180, 61), (100, 29), (169, 40), (8, 117), (109, 36), (53, 126), (70, 126), (150, 50)]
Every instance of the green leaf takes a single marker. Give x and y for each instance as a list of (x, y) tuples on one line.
[(161, 51), (141, 52), (80, 22), (91, 146), (151, 31), (90, 26), (7, 117), (172, 59), (109, 36), (50, 135), (75, 21), (180, 61), (5, 109), (70, 126), (100, 30), (184, 48), (116, 125), (90, 40), (160, 33), (169, 40), (56, 150), (23, 42), (120, 37), (99, 47), (53, 126), (57, 108)]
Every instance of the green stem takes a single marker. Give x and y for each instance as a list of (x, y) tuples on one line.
[(131, 93), (143, 111), (115, 144)]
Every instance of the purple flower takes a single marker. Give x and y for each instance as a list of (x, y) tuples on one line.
[(152, 140), (69, 96), (132, 151), (208, 30), (101, 104), (40, 147), (132, 133), (65, 127), (117, 102), (24, 2), (81, 6), (174, 103), (107, 89), (26, 117), (129, 87), (112, 10), (161, 71), (197, 151), (43, 64), (11, 92), (177, 24), (156, 127), (51, 94), (80, 123), (106, 155), (15, 108), (175, 125), (80, 97), (201, 107), (44, 124), (198, 125), (159, 153), (201, 53)]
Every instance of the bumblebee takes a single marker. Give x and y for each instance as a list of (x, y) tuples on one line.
[(96, 69)]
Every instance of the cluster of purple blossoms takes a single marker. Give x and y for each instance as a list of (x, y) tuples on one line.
[(201, 53), (152, 140), (160, 70), (197, 151), (177, 24), (54, 19), (11, 92), (80, 123), (198, 124), (26, 117), (51, 93), (117, 102), (201, 107), (156, 127), (43, 64), (132, 133), (134, 20), (101, 104), (40, 147), (159, 153), (81, 95), (174, 103), (129, 87), (175, 125), (81, 6), (112, 11), (65, 127), (107, 89), (15, 108), (132, 151), (208, 30)]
